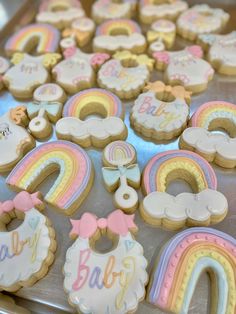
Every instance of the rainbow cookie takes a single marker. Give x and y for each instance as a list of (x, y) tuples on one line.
[(185, 67), (201, 19), (181, 263), (116, 279), (95, 132), (27, 251), (74, 181), (186, 209), (4, 66), (220, 148), (119, 34)]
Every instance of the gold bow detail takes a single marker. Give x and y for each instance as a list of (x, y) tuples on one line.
[(129, 58)]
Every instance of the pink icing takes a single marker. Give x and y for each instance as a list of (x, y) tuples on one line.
[(99, 58), (162, 56), (69, 52), (195, 50)]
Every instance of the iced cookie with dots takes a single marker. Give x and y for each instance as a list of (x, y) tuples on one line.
[(121, 174), (119, 34), (27, 251), (161, 112), (4, 66), (95, 131), (201, 19), (185, 67), (203, 207), (117, 278), (214, 147)]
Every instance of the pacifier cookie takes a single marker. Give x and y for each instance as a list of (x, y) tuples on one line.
[(201, 19), (117, 278), (161, 112), (122, 174), (214, 147), (203, 207), (75, 177), (185, 67), (27, 251), (97, 132), (181, 263), (4, 66), (119, 34)]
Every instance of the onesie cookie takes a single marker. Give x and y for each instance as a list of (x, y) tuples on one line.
[(218, 148), (121, 173), (96, 132), (181, 263), (117, 278), (4, 66), (201, 19), (203, 207), (185, 67), (27, 251), (75, 177), (161, 112), (119, 34)]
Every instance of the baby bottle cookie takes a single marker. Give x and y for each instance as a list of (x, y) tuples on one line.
[(27, 251), (4, 66), (115, 279)]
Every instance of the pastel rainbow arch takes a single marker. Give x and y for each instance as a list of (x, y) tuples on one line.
[(161, 165), (111, 26), (74, 179), (181, 263), (119, 152), (47, 37)]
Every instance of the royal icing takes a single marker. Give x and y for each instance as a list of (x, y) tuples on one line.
[(4, 65)]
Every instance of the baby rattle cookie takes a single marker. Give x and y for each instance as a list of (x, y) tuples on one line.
[(75, 177), (8, 305), (161, 112), (201, 19), (119, 34), (181, 263), (97, 132), (4, 66), (185, 67), (27, 251), (203, 207), (117, 278), (126, 74), (218, 148), (121, 174)]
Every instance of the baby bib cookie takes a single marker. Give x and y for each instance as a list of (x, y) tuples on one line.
[(201, 19), (75, 177), (27, 251), (119, 34), (214, 147), (181, 263), (117, 278), (7, 303), (121, 173), (4, 66), (203, 207), (185, 67), (97, 132), (161, 112)]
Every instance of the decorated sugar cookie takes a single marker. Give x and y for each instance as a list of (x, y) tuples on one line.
[(27, 251), (116, 279), (221, 51), (119, 34), (203, 207), (7, 303), (4, 66), (15, 141), (185, 67), (218, 148), (28, 72), (45, 36), (75, 177), (161, 112), (151, 10), (97, 132), (59, 13), (181, 263), (201, 19), (122, 174), (77, 71)]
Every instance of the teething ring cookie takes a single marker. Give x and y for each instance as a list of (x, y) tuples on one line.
[(117, 278), (161, 112), (186, 209), (218, 148), (28, 251)]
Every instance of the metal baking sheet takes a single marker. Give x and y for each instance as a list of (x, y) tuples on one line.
[(47, 294)]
